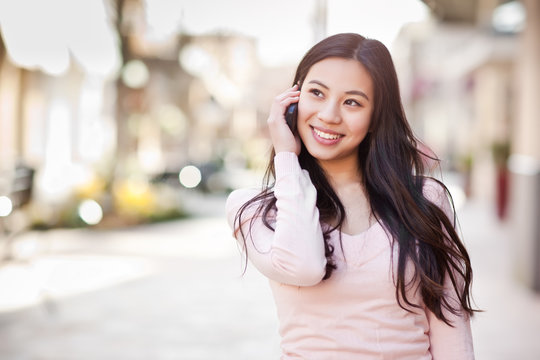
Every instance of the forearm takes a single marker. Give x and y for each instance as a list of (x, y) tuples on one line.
[(451, 343), (294, 252)]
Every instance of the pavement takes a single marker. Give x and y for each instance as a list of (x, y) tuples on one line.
[(175, 290)]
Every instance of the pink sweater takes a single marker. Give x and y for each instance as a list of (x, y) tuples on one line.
[(354, 314)]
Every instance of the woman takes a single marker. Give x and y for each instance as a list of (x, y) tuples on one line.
[(358, 243)]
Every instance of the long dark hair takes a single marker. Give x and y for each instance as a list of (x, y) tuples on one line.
[(393, 170)]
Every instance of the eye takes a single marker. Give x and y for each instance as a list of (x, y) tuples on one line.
[(352, 102), (316, 92)]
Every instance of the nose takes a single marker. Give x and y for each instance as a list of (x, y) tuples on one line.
[(330, 113)]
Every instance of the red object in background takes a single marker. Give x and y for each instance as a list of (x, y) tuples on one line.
[(502, 192)]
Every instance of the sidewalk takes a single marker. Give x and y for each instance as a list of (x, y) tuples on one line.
[(510, 326), (164, 291), (175, 291)]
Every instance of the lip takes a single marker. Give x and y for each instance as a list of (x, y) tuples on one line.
[(315, 131)]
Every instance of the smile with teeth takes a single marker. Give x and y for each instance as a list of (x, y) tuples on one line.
[(325, 135)]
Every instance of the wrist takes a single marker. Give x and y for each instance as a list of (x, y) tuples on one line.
[(286, 162)]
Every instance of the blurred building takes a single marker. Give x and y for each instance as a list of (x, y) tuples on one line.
[(471, 79), (115, 130)]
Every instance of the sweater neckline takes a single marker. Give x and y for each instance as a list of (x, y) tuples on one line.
[(362, 233)]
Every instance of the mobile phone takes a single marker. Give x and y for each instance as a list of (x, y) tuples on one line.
[(290, 116)]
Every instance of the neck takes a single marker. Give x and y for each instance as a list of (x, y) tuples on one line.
[(342, 172)]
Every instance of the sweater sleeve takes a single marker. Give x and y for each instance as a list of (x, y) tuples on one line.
[(448, 342), (293, 253)]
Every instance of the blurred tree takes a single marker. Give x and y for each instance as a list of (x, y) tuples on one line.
[(2, 51), (121, 120)]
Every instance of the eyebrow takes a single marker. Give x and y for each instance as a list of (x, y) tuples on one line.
[(350, 92)]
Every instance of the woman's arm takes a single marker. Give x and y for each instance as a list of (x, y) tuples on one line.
[(448, 342), (294, 253)]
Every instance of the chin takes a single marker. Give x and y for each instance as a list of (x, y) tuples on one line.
[(321, 155)]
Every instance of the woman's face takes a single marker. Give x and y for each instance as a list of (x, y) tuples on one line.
[(335, 107)]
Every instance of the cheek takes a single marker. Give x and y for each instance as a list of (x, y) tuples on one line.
[(360, 125), (301, 107), (304, 114), (305, 108)]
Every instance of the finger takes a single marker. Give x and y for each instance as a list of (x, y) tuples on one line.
[(287, 94), (291, 90), (290, 100)]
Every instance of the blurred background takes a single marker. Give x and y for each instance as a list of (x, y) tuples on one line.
[(124, 124)]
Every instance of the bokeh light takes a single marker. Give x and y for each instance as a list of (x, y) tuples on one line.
[(190, 176), (197, 61), (135, 74), (172, 120), (5, 206), (509, 17), (90, 212)]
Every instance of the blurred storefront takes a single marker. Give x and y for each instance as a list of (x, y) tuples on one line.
[(129, 128), (471, 81)]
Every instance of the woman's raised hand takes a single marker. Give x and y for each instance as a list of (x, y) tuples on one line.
[(282, 137)]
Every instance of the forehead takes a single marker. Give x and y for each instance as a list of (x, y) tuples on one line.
[(341, 74)]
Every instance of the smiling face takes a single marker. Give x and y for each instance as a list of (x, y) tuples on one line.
[(334, 110)]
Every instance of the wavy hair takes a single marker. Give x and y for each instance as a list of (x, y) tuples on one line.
[(394, 173)]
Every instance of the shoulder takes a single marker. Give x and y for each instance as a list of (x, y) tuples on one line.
[(436, 192)]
